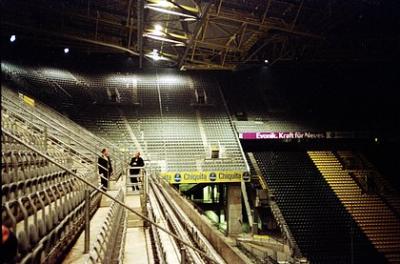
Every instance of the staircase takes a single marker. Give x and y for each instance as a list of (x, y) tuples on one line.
[(376, 220)]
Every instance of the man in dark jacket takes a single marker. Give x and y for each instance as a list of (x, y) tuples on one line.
[(105, 168), (136, 161)]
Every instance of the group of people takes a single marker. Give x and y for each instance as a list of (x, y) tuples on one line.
[(106, 169)]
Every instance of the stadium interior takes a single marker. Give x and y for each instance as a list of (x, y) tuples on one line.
[(268, 130)]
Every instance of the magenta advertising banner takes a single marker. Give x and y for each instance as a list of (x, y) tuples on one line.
[(281, 135)]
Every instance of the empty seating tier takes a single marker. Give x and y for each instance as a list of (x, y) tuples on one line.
[(378, 222), (324, 231)]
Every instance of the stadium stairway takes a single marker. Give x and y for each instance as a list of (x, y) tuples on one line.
[(372, 215)]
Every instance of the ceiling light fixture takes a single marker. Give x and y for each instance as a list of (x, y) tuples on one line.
[(156, 56), (13, 38)]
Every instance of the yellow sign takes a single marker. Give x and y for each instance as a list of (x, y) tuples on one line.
[(205, 176), (27, 100)]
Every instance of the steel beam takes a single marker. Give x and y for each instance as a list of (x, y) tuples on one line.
[(194, 34), (129, 24), (242, 18), (140, 19)]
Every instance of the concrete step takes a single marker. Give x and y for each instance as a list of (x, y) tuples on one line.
[(135, 246), (135, 223), (105, 201)]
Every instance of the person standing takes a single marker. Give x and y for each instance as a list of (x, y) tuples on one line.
[(136, 161), (105, 168)]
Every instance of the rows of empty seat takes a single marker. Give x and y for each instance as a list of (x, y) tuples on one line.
[(154, 105), (109, 245), (324, 231), (66, 133), (273, 126), (172, 127), (361, 169), (41, 203), (379, 223), (166, 122), (30, 80)]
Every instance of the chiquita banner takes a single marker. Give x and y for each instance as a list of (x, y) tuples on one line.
[(205, 176)]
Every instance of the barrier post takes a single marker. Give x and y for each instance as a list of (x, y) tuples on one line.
[(183, 256), (87, 221)]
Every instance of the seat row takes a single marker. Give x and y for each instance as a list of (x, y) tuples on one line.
[(109, 244)]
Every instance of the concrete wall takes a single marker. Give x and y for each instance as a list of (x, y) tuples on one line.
[(226, 247)]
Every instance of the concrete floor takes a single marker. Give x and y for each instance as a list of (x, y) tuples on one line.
[(75, 255), (135, 246)]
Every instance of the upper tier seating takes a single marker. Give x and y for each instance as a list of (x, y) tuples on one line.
[(157, 113)]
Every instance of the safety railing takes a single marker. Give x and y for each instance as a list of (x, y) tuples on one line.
[(53, 121), (71, 144), (98, 189), (136, 180), (43, 204)]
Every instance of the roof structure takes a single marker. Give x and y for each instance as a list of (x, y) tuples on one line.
[(212, 34)]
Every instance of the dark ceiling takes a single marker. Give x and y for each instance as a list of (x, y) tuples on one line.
[(220, 34)]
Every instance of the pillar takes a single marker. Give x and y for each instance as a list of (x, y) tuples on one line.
[(234, 209)]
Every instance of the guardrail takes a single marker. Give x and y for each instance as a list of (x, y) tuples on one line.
[(85, 181)]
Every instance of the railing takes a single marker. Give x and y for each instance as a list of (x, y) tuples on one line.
[(81, 132), (139, 180), (33, 122), (285, 229), (89, 184)]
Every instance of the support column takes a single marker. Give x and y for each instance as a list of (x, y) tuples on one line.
[(234, 209)]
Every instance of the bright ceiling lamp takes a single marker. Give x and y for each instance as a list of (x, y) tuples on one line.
[(158, 34), (157, 31), (167, 7), (156, 56)]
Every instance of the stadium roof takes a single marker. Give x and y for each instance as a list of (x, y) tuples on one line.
[(220, 34)]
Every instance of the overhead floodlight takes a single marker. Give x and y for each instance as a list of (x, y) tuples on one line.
[(165, 4), (160, 9), (158, 27), (155, 55), (157, 30), (66, 50), (266, 61), (13, 38), (189, 19)]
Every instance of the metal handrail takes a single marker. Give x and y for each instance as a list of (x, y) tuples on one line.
[(204, 254), (70, 129), (232, 126), (52, 126), (62, 132)]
